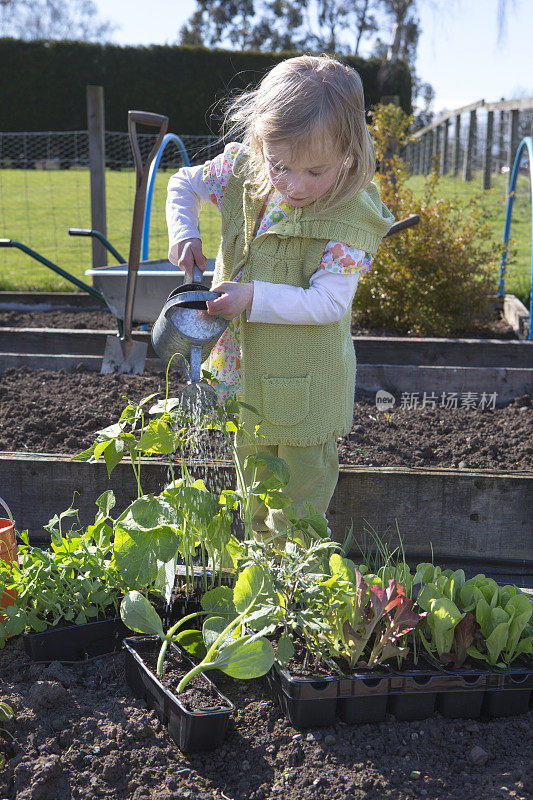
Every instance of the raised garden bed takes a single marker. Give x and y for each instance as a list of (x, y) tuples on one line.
[(45, 411)]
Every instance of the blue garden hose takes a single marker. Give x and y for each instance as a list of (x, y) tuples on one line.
[(169, 137), (525, 144)]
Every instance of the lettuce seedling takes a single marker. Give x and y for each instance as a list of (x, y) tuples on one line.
[(366, 610)]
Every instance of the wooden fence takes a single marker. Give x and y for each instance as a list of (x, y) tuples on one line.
[(471, 145)]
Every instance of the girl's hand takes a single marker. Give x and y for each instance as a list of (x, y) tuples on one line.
[(190, 253), (236, 297)]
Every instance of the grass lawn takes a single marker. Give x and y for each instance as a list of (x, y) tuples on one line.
[(38, 207)]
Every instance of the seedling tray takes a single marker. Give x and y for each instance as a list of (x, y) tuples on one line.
[(414, 694), (192, 731), (92, 639), (76, 642)]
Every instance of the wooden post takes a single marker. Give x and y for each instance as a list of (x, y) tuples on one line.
[(96, 129), (429, 151), (487, 156), (513, 141), (467, 164), (501, 140), (457, 146), (444, 150), (420, 154)]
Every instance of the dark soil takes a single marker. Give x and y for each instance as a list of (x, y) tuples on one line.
[(59, 412), (79, 733), (102, 319), (199, 695)]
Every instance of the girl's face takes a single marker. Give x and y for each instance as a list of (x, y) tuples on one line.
[(304, 177)]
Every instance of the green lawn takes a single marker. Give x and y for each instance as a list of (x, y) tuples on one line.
[(38, 207)]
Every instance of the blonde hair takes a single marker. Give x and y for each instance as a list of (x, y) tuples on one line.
[(306, 102)]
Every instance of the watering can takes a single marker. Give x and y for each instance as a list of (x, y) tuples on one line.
[(185, 327), (8, 552)]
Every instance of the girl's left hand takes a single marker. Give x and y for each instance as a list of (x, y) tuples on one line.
[(235, 298)]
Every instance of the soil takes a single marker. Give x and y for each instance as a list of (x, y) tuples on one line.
[(60, 412), (199, 694), (96, 319), (79, 733)]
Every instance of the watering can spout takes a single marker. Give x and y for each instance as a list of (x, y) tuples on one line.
[(184, 326)]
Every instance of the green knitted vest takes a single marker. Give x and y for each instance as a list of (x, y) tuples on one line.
[(300, 378)]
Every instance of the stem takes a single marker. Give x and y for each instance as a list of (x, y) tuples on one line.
[(192, 673), (169, 637)]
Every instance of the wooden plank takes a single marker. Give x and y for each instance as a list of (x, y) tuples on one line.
[(520, 104), (96, 131), (468, 514), (403, 350), (512, 139), (47, 301)]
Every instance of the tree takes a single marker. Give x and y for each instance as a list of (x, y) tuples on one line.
[(275, 25), (54, 19)]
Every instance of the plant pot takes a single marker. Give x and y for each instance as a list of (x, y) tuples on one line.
[(508, 692), (192, 731)]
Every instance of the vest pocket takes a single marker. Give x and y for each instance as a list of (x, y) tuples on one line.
[(285, 400)]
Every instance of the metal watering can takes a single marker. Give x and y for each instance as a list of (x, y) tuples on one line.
[(185, 327)]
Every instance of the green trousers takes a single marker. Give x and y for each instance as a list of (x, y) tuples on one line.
[(314, 475)]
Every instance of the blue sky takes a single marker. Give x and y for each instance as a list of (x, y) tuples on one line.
[(458, 51)]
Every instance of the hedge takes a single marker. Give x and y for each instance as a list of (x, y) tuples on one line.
[(42, 83)]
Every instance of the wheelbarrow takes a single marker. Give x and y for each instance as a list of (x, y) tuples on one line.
[(156, 279)]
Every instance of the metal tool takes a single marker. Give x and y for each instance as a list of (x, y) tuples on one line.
[(123, 354), (184, 327)]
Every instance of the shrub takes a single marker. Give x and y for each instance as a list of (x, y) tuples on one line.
[(438, 277)]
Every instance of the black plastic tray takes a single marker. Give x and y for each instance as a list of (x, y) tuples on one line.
[(414, 694), (92, 639), (192, 731)]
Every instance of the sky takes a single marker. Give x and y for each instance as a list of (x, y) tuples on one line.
[(458, 51)]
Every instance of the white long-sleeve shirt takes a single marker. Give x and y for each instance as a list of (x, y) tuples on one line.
[(325, 301)]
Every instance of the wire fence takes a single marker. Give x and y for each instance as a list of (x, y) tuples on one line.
[(45, 190)]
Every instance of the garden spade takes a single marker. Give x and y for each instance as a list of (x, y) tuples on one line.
[(122, 353)]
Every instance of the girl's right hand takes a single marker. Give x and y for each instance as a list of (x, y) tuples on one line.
[(190, 253)]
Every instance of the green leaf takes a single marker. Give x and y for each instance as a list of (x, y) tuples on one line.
[(157, 437), (497, 641), (443, 617), (278, 468), (251, 582), (219, 602), (138, 614), (211, 630), (193, 643), (244, 660), (427, 595), (6, 712), (285, 650), (15, 625), (113, 455), (426, 573), (106, 502)]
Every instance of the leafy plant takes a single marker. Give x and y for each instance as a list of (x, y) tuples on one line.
[(228, 646), (365, 632), (76, 581), (440, 276)]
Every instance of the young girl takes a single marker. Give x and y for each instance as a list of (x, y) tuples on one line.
[(300, 220)]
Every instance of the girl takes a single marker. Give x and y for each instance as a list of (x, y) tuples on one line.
[(300, 220)]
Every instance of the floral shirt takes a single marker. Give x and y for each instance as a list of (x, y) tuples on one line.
[(225, 360)]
